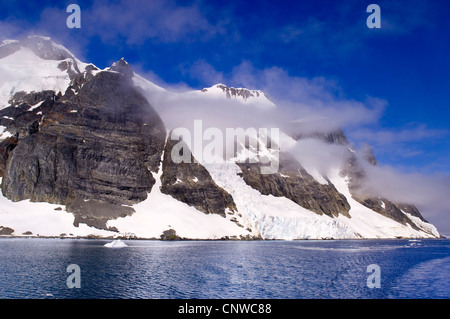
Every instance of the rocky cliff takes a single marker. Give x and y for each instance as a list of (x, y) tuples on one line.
[(93, 149), (192, 184), (295, 183), (354, 171)]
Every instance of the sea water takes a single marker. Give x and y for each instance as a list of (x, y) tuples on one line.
[(41, 268)]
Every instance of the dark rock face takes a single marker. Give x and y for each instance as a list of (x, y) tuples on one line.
[(6, 231), (355, 171), (45, 48), (93, 149), (170, 234), (244, 93), (368, 155), (386, 208), (410, 209), (96, 213), (239, 92), (122, 67), (6, 146), (293, 182), (22, 118), (192, 184), (356, 174)]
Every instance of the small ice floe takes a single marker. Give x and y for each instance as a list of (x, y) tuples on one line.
[(118, 243), (414, 243)]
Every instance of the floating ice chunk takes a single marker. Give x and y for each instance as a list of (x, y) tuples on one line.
[(116, 244)]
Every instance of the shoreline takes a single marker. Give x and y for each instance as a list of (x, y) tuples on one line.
[(95, 237)]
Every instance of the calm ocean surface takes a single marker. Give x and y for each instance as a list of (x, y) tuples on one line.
[(37, 268)]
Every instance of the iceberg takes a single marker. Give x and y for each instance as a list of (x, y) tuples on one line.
[(118, 243)]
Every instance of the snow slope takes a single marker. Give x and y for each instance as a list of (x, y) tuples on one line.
[(41, 219), (369, 224), (160, 212), (274, 217), (280, 218), (24, 70)]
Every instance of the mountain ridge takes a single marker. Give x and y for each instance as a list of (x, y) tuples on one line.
[(99, 182)]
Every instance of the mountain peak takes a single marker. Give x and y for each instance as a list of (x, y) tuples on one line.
[(238, 92), (368, 155), (42, 47), (122, 67), (245, 95), (36, 63), (40, 37), (46, 49)]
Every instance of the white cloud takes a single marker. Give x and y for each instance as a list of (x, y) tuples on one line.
[(205, 72), (134, 22), (140, 20), (428, 192), (411, 142), (382, 137), (297, 97)]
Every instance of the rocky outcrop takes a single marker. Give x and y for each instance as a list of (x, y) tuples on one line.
[(238, 92), (368, 155), (6, 231), (354, 170), (192, 184), (46, 49), (356, 175), (232, 92), (93, 149), (170, 234), (293, 182), (410, 209)]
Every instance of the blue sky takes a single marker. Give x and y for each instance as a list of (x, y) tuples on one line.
[(198, 43), (389, 87)]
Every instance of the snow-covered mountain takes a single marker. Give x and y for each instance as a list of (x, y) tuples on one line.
[(88, 152), (35, 64), (257, 98)]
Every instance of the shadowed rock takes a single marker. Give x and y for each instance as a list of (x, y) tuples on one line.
[(192, 184), (293, 182), (99, 145)]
